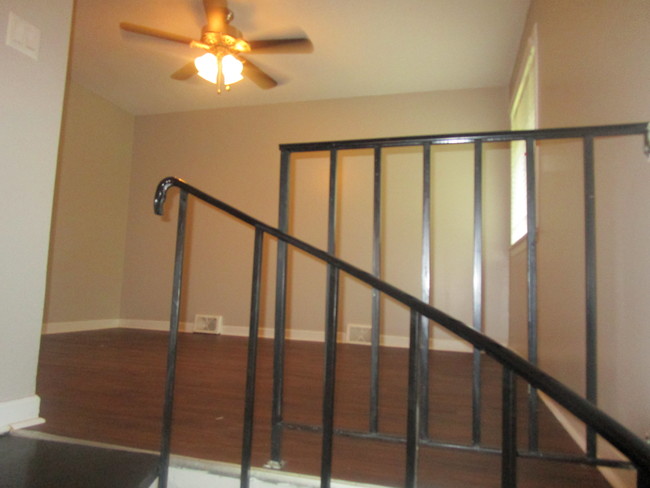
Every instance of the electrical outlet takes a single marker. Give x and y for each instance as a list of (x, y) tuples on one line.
[(208, 324)]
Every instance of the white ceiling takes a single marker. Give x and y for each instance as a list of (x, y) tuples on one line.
[(361, 48)]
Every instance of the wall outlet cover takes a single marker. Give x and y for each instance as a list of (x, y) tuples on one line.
[(208, 324), (23, 36)]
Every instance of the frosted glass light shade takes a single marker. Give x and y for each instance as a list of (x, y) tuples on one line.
[(232, 68), (208, 68)]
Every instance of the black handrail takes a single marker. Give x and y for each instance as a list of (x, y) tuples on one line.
[(634, 448), (484, 137)]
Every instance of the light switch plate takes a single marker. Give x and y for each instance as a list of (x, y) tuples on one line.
[(23, 36)]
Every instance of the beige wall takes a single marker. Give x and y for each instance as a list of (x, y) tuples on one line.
[(451, 230), (594, 69), (91, 204), (233, 154), (31, 97)]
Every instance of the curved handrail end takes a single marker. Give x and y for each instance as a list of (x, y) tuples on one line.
[(161, 193)]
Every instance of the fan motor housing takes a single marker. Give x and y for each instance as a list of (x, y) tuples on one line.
[(231, 38)]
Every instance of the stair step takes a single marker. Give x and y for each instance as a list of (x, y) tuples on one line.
[(45, 463)]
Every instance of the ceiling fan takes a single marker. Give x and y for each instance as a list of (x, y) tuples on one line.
[(224, 64)]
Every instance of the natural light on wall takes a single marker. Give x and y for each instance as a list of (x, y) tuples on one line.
[(523, 116)]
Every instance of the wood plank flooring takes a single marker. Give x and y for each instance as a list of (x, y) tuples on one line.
[(107, 386)]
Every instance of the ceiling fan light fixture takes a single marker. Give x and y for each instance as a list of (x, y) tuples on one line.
[(224, 46), (208, 68)]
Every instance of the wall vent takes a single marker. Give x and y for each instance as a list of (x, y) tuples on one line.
[(208, 324), (359, 334)]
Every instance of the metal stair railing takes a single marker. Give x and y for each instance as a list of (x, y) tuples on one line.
[(478, 143), (514, 366)]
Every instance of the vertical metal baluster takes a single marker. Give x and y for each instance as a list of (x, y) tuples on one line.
[(280, 319), (426, 289), (376, 296), (590, 278), (333, 194), (331, 329), (413, 416), (168, 408), (509, 429), (251, 369), (478, 289), (531, 201)]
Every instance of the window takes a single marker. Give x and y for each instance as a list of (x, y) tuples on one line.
[(523, 116)]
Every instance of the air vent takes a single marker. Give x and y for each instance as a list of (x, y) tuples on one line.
[(208, 324), (359, 334)]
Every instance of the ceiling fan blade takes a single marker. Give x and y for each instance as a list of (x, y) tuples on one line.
[(295, 45), (148, 31), (185, 72), (257, 76), (217, 14)]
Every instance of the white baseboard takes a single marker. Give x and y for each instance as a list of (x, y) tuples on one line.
[(453, 345), (318, 336), (436, 344), (161, 325), (575, 428), (269, 333), (79, 326), (20, 413)]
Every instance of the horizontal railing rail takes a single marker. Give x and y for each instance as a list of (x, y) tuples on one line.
[(469, 138), (631, 446)]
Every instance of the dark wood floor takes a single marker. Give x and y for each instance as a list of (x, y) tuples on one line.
[(30, 462), (107, 386)]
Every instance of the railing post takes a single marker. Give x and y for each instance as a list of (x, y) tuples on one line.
[(591, 369), (332, 203), (414, 403), (251, 369), (531, 203), (280, 318), (509, 428), (477, 283), (168, 408), (425, 277), (375, 333), (331, 329)]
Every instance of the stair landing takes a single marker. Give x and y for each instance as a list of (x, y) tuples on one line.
[(41, 462)]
